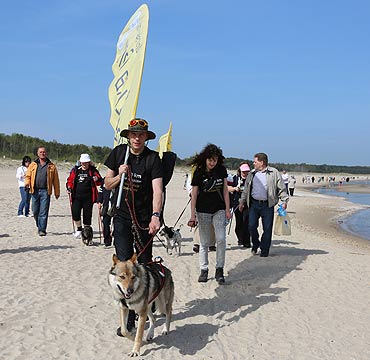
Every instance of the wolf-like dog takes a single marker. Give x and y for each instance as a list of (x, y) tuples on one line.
[(173, 238), (135, 286)]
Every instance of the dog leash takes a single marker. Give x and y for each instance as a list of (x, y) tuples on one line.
[(182, 212), (161, 241)]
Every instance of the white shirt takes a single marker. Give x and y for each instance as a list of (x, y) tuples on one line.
[(259, 186), (21, 173)]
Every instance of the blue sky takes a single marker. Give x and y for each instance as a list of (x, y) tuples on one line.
[(289, 78)]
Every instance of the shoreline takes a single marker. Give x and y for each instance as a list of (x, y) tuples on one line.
[(339, 217)]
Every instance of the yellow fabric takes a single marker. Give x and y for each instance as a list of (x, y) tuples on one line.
[(165, 142), (52, 178), (127, 69)]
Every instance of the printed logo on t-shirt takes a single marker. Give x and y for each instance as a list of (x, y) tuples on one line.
[(136, 182), (82, 177), (212, 185)]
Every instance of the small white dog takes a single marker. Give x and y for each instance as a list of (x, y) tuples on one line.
[(173, 238)]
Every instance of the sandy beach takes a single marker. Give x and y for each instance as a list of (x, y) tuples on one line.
[(308, 300)]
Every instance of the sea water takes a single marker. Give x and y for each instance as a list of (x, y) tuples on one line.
[(357, 223)]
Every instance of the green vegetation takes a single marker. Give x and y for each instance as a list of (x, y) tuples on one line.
[(16, 146)]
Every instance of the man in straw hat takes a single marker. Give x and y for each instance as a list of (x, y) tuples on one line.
[(137, 219)]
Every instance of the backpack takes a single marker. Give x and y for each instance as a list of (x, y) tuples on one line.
[(168, 163)]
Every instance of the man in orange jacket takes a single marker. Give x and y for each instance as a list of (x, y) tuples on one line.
[(41, 178)]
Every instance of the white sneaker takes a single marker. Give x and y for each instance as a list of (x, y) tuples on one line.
[(21, 216), (77, 234)]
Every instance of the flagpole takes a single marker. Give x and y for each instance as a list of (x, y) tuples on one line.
[(122, 179)]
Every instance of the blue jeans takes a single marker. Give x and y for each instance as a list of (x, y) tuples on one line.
[(40, 208), (25, 202), (261, 210)]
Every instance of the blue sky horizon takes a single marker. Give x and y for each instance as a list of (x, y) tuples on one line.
[(289, 78)]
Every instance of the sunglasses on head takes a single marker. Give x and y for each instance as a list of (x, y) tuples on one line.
[(142, 123)]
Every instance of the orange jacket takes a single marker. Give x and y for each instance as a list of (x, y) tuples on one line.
[(52, 178)]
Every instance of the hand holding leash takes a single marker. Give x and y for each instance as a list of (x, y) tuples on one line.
[(192, 222)]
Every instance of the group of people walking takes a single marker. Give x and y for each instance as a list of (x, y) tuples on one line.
[(133, 190), (38, 179), (253, 196)]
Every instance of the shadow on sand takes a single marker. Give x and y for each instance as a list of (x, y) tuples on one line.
[(34, 248), (251, 285)]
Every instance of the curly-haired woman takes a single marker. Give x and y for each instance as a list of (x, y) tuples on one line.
[(210, 206)]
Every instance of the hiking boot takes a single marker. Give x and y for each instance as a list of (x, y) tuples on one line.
[(196, 248), (220, 276), (212, 248), (203, 277)]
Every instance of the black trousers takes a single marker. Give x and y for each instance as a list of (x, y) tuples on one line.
[(84, 203), (241, 227), (106, 229), (124, 240)]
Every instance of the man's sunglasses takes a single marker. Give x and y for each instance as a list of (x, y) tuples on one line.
[(142, 123)]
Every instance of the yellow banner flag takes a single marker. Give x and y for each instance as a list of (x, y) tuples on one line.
[(165, 142), (127, 69)]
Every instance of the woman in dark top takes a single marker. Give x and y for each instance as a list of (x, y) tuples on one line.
[(210, 206), (82, 184)]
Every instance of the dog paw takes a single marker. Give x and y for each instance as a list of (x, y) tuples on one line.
[(150, 335), (125, 334), (134, 353)]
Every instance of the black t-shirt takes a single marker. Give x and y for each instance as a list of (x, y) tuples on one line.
[(83, 182), (210, 198), (144, 168)]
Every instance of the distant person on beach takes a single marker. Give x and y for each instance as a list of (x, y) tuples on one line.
[(285, 177), (104, 204), (241, 217), (291, 185), (82, 184), (263, 189), (210, 206), (24, 205), (41, 177)]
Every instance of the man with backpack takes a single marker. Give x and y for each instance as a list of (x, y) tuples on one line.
[(137, 219)]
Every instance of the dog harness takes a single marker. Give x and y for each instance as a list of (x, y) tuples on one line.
[(162, 275)]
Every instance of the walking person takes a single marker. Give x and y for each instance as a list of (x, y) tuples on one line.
[(41, 178), (137, 219), (24, 205), (291, 185), (285, 177), (104, 204), (210, 207), (263, 189), (82, 185), (241, 217)]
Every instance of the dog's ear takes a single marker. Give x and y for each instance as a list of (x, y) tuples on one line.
[(134, 258), (115, 259)]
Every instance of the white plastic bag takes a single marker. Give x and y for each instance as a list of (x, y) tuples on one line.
[(282, 225)]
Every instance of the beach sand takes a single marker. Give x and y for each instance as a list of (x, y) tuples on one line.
[(308, 300)]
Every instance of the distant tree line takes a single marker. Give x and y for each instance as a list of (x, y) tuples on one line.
[(16, 146)]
